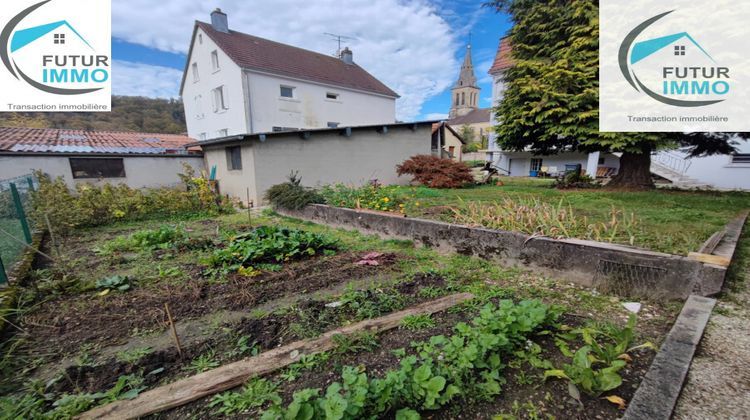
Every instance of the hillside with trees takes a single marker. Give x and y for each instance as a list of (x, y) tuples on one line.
[(129, 113)]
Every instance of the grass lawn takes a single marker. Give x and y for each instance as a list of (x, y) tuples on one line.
[(675, 222)]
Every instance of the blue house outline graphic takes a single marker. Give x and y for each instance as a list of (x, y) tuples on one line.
[(24, 37), (644, 49)]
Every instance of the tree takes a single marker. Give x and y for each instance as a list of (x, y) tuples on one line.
[(551, 99), (467, 133)]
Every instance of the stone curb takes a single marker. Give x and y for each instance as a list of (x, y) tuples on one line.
[(657, 395)]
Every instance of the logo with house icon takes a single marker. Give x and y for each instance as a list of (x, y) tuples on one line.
[(673, 69)]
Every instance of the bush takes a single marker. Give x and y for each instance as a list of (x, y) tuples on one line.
[(92, 205), (574, 179), (373, 197), (435, 172), (291, 195)]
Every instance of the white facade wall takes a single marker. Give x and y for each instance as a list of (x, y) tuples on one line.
[(718, 171), (324, 158), (197, 97), (519, 163), (140, 171), (310, 108)]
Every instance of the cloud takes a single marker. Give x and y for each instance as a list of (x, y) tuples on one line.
[(137, 79), (404, 43), (436, 116)]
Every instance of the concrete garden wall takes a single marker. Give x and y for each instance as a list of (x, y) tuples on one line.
[(613, 268)]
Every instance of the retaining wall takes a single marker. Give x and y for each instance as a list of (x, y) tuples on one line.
[(616, 269)]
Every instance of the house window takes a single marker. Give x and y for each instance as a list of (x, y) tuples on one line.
[(332, 124), (202, 136), (601, 161), (286, 92), (332, 96), (195, 72), (87, 168), (200, 39), (679, 50), (199, 107), (278, 129), (234, 158), (218, 97), (536, 165), (741, 158), (215, 60), (223, 132), (59, 38)]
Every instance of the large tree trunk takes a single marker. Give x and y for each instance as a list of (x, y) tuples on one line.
[(634, 172)]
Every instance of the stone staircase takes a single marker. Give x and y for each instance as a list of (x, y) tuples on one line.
[(673, 167)]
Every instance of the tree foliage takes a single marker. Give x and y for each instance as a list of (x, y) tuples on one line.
[(436, 172), (129, 113), (551, 100)]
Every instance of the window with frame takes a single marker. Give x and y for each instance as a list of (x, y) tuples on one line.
[(195, 72), (278, 129), (218, 99), (332, 96), (234, 158), (601, 161), (89, 168), (215, 60), (203, 136), (536, 164), (223, 132), (332, 124), (199, 107), (741, 158), (286, 91)]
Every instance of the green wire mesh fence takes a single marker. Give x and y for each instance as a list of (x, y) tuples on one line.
[(15, 226)]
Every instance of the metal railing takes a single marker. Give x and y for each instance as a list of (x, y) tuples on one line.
[(672, 161)]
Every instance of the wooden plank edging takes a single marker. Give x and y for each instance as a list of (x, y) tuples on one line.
[(235, 374)]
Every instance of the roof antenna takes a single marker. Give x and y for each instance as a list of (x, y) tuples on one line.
[(338, 39)]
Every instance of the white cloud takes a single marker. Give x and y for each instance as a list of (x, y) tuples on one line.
[(137, 79), (436, 116), (404, 43)]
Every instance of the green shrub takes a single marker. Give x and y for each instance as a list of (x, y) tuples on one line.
[(92, 205), (291, 195), (372, 196), (270, 244)]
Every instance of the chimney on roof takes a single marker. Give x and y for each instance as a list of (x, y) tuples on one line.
[(347, 56), (219, 21)]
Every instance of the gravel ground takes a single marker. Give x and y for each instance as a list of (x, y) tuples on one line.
[(718, 384)]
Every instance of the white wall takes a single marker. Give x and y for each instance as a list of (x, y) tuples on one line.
[(310, 108), (199, 114), (719, 171), (324, 158), (140, 172)]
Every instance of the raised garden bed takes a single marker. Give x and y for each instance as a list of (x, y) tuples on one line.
[(98, 344)]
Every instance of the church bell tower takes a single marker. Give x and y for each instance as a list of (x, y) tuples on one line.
[(465, 93)]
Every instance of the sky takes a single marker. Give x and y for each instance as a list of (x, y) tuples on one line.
[(414, 46)]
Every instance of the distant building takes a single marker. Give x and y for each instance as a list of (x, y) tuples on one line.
[(449, 140), (235, 83), (465, 109), (136, 159)]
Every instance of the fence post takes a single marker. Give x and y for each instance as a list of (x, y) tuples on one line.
[(21, 214), (3, 276), (30, 180)]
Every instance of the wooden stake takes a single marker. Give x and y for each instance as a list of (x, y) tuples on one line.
[(174, 330), (249, 205), (235, 374)]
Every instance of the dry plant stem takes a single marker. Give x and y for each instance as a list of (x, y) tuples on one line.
[(174, 330), (28, 246)]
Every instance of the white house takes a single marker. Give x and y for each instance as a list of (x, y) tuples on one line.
[(727, 172), (235, 83)]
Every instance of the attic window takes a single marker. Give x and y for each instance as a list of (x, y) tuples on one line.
[(215, 60), (195, 72), (332, 96), (72, 137), (742, 158), (286, 91), (200, 39)]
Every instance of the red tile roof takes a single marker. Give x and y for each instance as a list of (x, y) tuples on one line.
[(253, 53), (480, 115), (53, 140), (503, 58)]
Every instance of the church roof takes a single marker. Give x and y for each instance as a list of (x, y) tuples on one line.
[(480, 115), (503, 58), (467, 77)]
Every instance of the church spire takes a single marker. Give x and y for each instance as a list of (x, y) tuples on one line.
[(467, 77)]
